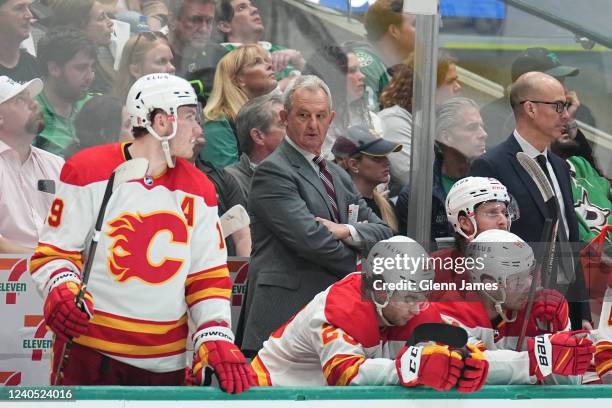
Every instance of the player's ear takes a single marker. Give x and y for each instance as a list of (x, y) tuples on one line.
[(465, 224)]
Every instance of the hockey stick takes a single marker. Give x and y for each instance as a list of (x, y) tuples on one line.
[(233, 220), (452, 336), (545, 256), (130, 170)]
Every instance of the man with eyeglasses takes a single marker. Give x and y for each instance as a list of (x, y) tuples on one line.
[(195, 55), (540, 104), (497, 115)]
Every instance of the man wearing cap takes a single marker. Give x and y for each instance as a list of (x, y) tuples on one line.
[(27, 174), (15, 27), (497, 115), (541, 108), (308, 222)]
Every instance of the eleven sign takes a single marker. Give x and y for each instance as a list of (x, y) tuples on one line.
[(239, 271), (13, 284)]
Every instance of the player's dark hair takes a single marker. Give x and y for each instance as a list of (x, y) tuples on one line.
[(140, 131), (176, 7)]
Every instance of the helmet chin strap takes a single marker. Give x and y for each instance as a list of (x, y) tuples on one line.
[(499, 309), (379, 309), (165, 142)]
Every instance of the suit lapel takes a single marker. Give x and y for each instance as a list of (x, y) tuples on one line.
[(307, 172), (527, 181)]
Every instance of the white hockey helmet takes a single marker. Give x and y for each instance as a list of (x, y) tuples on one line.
[(159, 91), (504, 258), (466, 194), (404, 275)]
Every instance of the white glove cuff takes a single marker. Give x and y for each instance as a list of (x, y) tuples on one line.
[(65, 275), (542, 350), (214, 333), (410, 362)]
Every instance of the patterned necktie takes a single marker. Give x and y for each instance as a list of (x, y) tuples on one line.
[(326, 178)]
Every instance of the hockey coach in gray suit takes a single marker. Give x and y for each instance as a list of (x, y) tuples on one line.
[(309, 223)]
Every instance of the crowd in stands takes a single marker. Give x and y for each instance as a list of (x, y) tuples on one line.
[(317, 148)]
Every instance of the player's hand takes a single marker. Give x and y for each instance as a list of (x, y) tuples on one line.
[(603, 359), (550, 311), (563, 353), (475, 370), (214, 350), (434, 366), (63, 315)]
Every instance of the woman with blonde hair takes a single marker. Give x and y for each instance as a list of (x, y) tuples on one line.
[(241, 75), (146, 53)]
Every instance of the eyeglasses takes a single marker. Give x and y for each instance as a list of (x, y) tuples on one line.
[(559, 106), (199, 20)]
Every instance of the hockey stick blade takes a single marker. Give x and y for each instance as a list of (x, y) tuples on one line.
[(452, 336), (233, 220)]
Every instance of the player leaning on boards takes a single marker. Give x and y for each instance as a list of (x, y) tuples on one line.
[(341, 339), (493, 318), (160, 258)]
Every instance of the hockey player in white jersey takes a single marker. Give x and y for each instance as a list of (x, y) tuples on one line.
[(161, 257), (341, 338), (493, 317)]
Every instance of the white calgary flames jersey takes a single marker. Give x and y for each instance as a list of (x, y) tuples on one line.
[(506, 366), (161, 254), (335, 340)]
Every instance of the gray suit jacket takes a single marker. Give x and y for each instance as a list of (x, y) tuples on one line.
[(293, 256)]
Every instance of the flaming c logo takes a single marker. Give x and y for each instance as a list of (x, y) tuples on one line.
[(133, 236)]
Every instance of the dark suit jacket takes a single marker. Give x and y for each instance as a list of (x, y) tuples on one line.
[(501, 163), (293, 256)]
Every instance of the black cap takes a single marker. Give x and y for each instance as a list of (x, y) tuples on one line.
[(360, 139), (541, 60)]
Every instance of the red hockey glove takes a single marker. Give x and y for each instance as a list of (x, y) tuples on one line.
[(474, 373), (550, 311), (435, 366), (563, 353), (62, 315), (603, 358), (235, 375)]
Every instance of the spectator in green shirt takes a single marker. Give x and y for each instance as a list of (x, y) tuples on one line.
[(390, 41), (66, 58), (240, 23), (242, 74)]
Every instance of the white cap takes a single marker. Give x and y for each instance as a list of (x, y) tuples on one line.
[(10, 88)]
